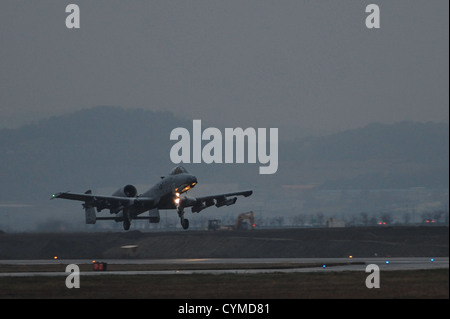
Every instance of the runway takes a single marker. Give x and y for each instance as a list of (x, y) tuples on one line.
[(234, 265)]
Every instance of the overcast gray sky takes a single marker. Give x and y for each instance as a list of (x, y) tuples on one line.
[(301, 66)]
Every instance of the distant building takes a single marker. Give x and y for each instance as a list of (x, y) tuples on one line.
[(335, 223)]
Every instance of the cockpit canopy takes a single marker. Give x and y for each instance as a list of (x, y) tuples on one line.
[(178, 170)]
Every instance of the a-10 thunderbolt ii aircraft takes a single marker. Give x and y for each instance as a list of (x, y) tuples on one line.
[(127, 205)]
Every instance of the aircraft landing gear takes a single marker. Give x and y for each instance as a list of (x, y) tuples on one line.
[(126, 219), (185, 223)]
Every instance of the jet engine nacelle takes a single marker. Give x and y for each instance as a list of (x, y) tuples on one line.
[(227, 202), (126, 191)]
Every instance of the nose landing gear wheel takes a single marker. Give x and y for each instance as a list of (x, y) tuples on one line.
[(185, 223), (126, 224)]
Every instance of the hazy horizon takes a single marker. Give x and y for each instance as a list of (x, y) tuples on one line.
[(284, 136), (309, 67)]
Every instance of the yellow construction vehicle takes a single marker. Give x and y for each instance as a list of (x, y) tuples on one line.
[(240, 224), (241, 221)]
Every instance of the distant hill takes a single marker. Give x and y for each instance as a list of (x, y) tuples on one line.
[(89, 148), (408, 141), (112, 146), (377, 156)]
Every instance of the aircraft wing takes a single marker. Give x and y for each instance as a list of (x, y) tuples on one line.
[(200, 203), (225, 196), (100, 200)]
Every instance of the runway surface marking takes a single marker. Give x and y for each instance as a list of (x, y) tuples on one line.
[(324, 265)]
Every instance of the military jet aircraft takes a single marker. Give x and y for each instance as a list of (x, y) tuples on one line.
[(126, 204)]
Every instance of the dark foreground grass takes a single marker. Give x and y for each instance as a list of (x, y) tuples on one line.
[(394, 284)]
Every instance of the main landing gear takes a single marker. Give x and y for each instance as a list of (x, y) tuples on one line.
[(184, 221), (126, 219), (179, 204)]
